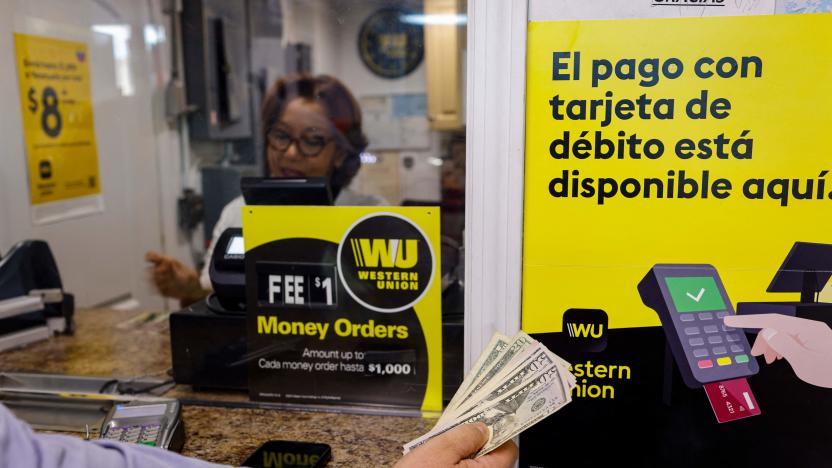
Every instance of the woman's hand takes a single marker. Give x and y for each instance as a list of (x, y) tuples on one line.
[(174, 279)]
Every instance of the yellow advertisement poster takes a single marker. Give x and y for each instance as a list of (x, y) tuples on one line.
[(678, 187), (676, 141), (344, 305), (57, 113)]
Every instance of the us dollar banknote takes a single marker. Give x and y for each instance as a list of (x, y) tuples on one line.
[(495, 348), (536, 360), (511, 413), (520, 342)]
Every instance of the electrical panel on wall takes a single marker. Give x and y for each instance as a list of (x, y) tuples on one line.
[(216, 54)]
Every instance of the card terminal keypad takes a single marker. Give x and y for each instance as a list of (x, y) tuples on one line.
[(717, 334), (136, 434), (692, 303)]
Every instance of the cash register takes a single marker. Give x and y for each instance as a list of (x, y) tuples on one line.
[(805, 270), (208, 339), (33, 303)]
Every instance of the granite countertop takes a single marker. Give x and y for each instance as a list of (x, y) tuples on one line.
[(126, 344)]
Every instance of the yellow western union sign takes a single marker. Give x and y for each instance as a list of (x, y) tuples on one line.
[(345, 305), (58, 127), (694, 140)]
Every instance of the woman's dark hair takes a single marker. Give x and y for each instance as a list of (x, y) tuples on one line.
[(341, 108)]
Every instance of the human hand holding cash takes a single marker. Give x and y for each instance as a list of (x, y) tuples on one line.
[(454, 448), (515, 383)]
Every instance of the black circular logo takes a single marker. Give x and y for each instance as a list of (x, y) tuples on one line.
[(386, 262), (391, 42)]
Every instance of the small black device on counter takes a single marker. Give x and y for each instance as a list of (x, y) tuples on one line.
[(152, 423), (290, 454), (33, 304)]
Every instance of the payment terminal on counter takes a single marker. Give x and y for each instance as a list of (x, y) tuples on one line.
[(152, 423), (691, 302), (78, 405)]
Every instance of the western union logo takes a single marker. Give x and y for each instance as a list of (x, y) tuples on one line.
[(585, 330), (385, 253)]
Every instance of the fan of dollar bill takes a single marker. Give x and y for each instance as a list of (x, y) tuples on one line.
[(515, 383)]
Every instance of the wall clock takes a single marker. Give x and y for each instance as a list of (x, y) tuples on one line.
[(391, 44)]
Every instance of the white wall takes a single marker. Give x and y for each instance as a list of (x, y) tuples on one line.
[(351, 70), (331, 27), (335, 51), (100, 256), (327, 58)]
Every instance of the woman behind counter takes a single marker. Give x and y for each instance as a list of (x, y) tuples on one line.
[(312, 128)]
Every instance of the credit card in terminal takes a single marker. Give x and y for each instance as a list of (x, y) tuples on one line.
[(732, 400)]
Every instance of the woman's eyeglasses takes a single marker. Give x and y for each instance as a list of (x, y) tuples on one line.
[(309, 143)]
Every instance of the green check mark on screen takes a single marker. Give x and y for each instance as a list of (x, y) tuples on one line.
[(695, 294)]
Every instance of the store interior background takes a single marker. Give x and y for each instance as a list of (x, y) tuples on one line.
[(148, 159)]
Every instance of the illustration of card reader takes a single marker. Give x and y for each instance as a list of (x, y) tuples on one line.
[(691, 302)]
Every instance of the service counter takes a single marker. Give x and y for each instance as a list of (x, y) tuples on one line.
[(221, 427)]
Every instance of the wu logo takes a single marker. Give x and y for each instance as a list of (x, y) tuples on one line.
[(385, 253), (585, 330), (588, 327), (386, 262)]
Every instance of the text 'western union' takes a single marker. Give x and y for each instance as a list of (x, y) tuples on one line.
[(271, 325), (588, 370), (391, 279)]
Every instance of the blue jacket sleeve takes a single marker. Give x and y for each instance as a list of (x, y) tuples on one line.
[(22, 447)]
